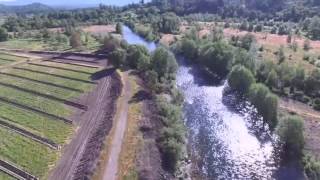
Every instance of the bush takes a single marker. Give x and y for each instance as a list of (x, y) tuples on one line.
[(316, 104), (189, 49), (306, 57), (119, 28), (240, 79), (172, 136), (265, 102), (311, 167), (217, 57), (247, 40), (317, 63), (164, 63), (75, 40), (3, 34), (290, 131), (118, 57), (138, 57)]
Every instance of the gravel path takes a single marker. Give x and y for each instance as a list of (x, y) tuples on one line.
[(111, 169)]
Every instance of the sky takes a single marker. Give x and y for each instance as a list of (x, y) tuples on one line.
[(69, 2)]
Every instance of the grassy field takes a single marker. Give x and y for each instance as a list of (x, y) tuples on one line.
[(22, 86), (33, 156), (88, 41), (8, 59), (4, 176)]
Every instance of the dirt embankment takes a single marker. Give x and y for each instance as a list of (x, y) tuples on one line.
[(80, 156)]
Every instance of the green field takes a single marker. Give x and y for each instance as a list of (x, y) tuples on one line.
[(24, 152), (8, 59), (4, 176)]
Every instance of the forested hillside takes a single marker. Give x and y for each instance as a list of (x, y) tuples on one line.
[(279, 9), (27, 9)]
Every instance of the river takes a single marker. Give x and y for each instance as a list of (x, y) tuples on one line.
[(227, 138)]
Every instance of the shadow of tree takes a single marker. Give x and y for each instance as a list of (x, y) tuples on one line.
[(140, 96)]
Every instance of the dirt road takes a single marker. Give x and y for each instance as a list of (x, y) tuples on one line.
[(97, 100), (111, 169)]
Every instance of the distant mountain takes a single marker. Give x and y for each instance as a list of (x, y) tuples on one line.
[(33, 8)]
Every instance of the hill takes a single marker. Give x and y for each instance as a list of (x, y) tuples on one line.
[(33, 8)]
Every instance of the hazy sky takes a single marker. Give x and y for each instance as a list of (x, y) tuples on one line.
[(69, 2)]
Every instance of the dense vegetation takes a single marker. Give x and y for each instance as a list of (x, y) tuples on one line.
[(158, 69)]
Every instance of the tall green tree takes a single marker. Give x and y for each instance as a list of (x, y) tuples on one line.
[(290, 131), (3, 34), (164, 62), (240, 79)]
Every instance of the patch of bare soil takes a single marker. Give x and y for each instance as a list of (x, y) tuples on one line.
[(311, 123), (80, 156), (100, 29), (270, 39), (168, 39)]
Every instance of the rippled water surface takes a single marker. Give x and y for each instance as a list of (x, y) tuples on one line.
[(226, 134)]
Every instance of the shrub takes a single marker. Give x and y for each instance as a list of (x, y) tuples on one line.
[(3, 34), (311, 167), (306, 57), (75, 40), (265, 102), (217, 57), (240, 79), (118, 57), (316, 104), (164, 62), (247, 40), (306, 45), (280, 55), (317, 63), (137, 55), (189, 48), (119, 28), (290, 131)]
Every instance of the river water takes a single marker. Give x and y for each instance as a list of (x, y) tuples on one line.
[(227, 138)]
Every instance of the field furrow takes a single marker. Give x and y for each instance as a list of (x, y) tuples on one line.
[(27, 154)]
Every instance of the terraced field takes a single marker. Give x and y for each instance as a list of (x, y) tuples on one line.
[(6, 58), (37, 100)]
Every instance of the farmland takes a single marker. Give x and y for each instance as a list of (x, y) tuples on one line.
[(38, 100)]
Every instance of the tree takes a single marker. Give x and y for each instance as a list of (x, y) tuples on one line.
[(240, 79), (110, 43), (312, 83), (189, 49), (217, 57), (138, 57), (299, 78), (290, 131), (280, 55), (75, 40), (306, 45), (164, 62), (247, 40), (289, 38), (119, 28), (169, 23), (272, 80), (118, 57), (265, 102), (314, 28), (3, 34)]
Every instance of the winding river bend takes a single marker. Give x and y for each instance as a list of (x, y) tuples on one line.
[(227, 138)]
